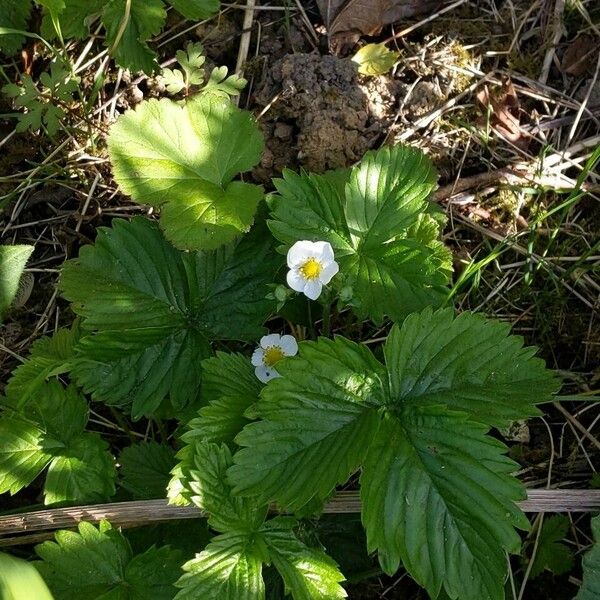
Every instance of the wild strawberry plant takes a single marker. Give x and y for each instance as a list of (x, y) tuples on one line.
[(171, 325)]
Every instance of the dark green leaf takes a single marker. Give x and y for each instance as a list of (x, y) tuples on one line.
[(145, 469), (14, 14), (196, 9), (150, 311), (550, 553)]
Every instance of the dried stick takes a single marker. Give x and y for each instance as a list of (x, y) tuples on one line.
[(33, 526)]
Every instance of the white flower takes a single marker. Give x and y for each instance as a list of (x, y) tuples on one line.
[(271, 350), (312, 266)]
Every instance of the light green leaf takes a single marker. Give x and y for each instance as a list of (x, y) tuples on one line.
[(48, 357), (550, 553), (390, 266), (438, 493), (83, 471), (186, 167), (438, 496), (97, 563), (375, 59), (23, 454), (308, 574), (173, 79), (228, 569), (209, 490), (20, 581), (12, 263), (196, 9), (466, 363), (230, 387), (590, 589), (316, 428), (129, 25), (145, 469), (150, 311), (14, 14), (219, 83)]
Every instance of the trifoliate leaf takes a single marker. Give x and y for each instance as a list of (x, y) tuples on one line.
[(129, 25), (550, 553), (230, 387), (14, 14), (48, 357), (228, 569), (12, 263), (187, 168), (438, 496), (23, 454), (384, 233), (375, 59), (80, 467), (150, 311), (467, 363), (316, 427), (97, 563), (19, 580), (196, 9), (308, 574), (84, 471), (208, 489), (219, 83), (173, 79), (590, 589), (145, 469), (437, 491)]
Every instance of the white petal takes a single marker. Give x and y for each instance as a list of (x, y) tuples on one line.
[(328, 272), (258, 357), (295, 280), (289, 345), (323, 251), (298, 253), (265, 374), (312, 289), (273, 339)]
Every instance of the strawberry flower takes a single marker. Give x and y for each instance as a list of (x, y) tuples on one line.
[(312, 266), (272, 349)]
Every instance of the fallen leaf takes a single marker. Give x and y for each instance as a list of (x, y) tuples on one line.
[(348, 20), (504, 112), (375, 59), (580, 56)]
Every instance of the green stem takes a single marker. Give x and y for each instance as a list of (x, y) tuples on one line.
[(327, 318)]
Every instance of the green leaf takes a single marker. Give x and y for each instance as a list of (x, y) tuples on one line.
[(316, 428), (227, 569), (74, 19), (48, 357), (19, 580), (12, 263), (388, 265), (83, 472), (375, 59), (467, 363), (230, 387), (127, 31), (219, 83), (590, 589), (550, 553), (437, 492), (438, 496), (98, 563), (209, 490), (145, 469), (187, 168), (308, 574), (14, 14), (23, 455), (196, 9), (150, 311)]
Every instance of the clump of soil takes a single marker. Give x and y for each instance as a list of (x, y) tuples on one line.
[(322, 114)]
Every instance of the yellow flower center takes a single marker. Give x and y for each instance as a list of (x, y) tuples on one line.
[(311, 269), (272, 355)]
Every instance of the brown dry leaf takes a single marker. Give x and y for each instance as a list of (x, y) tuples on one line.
[(348, 20), (504, 109), (580, 57)]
